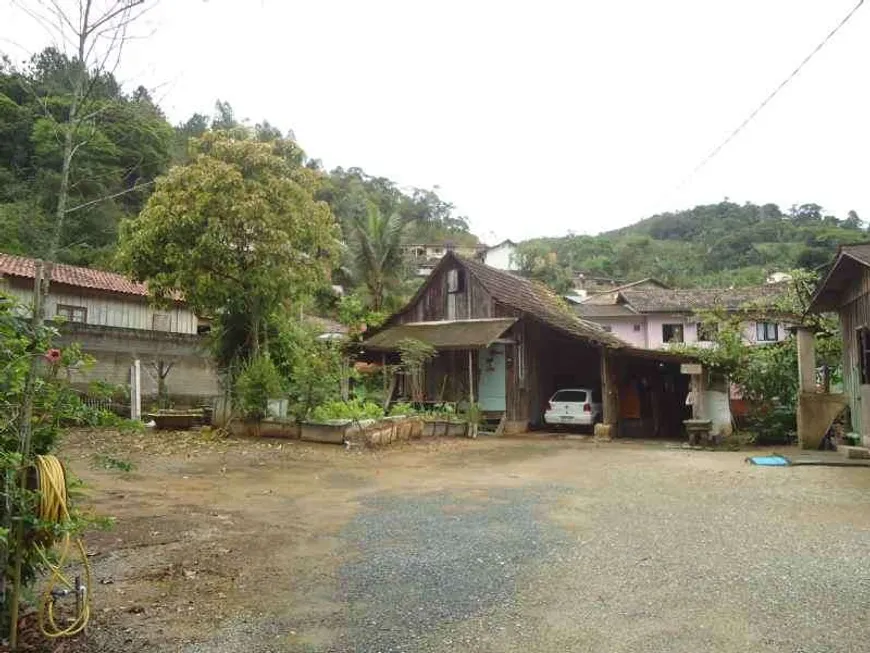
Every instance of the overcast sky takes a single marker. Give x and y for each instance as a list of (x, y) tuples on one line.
[(534, 118)]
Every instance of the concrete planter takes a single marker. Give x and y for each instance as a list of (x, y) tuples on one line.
[(175, 421), (280, 428), (331, 432), (445, 427)]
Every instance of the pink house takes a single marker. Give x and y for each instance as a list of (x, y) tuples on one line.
[(648, 314)]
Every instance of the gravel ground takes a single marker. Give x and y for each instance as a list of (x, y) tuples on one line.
[(487, 546), (624, 558)]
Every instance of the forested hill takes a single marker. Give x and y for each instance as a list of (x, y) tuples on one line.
[(709, 245), (127, 145)]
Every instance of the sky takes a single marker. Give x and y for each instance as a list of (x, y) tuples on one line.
[(533, 118)]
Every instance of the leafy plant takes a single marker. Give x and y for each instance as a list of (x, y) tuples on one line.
[(55, 404), (346, 410), (258, 382), (402, 409), (312, 367), (414, 354), (108, 462)]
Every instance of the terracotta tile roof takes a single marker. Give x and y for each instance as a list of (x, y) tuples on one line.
[(538, 301), (71, 275), (611, 295)]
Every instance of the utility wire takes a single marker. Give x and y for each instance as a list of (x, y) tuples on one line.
[(773, 94), (112, 196)]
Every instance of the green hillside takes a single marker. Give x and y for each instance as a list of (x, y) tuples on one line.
[(710, 245)]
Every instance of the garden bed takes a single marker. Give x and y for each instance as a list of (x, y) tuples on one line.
[(380, 432)]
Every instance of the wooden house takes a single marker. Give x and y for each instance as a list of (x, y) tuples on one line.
[(846, 291), (509, 343)]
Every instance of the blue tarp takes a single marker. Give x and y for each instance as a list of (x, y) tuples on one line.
[(769, 461)]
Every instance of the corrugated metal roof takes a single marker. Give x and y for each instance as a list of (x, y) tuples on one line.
[(457, 334)]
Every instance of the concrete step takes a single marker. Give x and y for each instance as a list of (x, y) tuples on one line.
[(853, 452)]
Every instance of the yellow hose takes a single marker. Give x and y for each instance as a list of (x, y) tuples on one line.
[(54, 508)]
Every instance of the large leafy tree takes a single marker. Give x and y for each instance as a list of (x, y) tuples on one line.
[(236, 230)]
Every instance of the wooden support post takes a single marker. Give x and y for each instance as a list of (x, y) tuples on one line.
[(609, 389), (470, 378), (806, 351), (472, 426)]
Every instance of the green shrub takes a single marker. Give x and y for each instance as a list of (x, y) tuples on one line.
[(258, 382), (401, 409), (348, 410)]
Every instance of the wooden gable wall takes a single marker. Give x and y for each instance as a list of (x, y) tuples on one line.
[(433, 304)]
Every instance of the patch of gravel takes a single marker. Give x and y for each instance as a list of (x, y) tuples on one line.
[(423, 563)]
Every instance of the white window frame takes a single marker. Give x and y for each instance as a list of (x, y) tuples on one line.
[(763, 330)]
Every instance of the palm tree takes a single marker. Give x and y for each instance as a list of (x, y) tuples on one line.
[(376, 250)]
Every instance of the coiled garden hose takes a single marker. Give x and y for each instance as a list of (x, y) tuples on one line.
[(54, 508)]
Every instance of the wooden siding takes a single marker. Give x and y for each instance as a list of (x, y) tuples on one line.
[(854, 314), (431, 306), (104, 309)]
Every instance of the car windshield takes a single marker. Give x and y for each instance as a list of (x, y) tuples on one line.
[(572, 396)]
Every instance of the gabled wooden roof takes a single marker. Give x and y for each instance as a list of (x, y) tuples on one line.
[(850, 260), (529, 297)]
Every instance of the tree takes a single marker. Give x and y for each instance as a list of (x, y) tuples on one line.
[(852, 221), (536, 261), (236, 230), (378, 259)]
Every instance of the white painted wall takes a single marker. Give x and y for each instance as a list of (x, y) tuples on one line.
[(109, 310), (501, 257)]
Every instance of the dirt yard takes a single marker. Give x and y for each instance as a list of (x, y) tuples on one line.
[(457, 545)]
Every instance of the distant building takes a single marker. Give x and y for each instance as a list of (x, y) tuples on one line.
[(502, 256), (648, 314), (424, 257)]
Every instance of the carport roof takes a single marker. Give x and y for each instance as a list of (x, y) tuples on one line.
[(456, 334)]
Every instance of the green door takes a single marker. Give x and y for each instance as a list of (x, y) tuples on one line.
[(491, 387)]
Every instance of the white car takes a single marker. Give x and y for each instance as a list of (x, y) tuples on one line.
[(574, 407)]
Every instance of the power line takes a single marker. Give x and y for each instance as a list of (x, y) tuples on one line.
[(112, 196), (773, 94)]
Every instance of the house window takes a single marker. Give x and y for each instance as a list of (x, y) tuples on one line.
[(766, 331), (607, 327), (707, 331), (672, 333), (456, 281), (160, 322), (73, 313), (636, 328), (864, 354)]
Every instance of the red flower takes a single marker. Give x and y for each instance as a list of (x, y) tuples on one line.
[(53, 356)]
